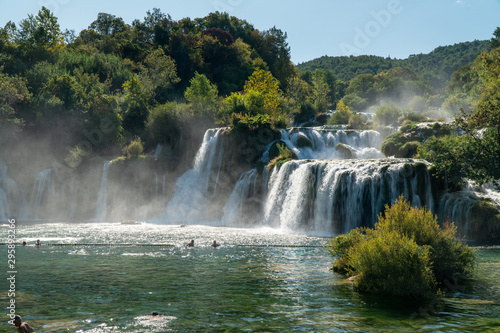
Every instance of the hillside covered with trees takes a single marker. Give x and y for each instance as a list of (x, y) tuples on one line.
[(436, 66), (119, 88)]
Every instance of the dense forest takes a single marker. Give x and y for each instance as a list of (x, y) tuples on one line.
[(124, 88), (436, 66)]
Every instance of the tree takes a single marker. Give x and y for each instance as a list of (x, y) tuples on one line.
[(495, 41), (321, 92), (39, 36), (13, 94), (387, 114), (159, 75), (263, 82), (203, 95), (137, 108), (163, 125), (475, 154), (341, 116), (107, 24)]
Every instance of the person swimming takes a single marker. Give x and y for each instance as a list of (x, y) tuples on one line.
[(22, 327), (214, 244), (191, 243)]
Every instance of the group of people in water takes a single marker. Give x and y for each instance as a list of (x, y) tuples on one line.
[(37, 243), (191, 244)]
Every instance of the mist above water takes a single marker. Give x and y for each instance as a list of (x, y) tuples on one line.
[(323, 193)]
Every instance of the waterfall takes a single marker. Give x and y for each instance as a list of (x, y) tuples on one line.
[(41, 187), (321, 143), (335, 196), (244, 190), (190, 201), (73, 192), (4, 206), (9, 194), (156, 184), (100, 212), (457, 206)]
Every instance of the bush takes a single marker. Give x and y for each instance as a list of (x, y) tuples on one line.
[(409, 149), (339, 248), (134, 149), (357, 121), (407, 254), (387, 114), (164, 124), (393, 264), (285, 155)]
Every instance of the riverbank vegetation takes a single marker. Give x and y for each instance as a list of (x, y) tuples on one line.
[(164, 82), (407, 254)]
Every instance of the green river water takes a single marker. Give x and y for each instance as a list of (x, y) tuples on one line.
[(258, 280)]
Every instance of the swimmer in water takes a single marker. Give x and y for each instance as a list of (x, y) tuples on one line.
[(191, 243), (214, 244)]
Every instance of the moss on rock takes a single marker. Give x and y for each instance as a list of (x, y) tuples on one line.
[(344, 150), (484, 222)]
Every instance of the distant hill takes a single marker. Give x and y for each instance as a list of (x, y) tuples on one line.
[(436, 66)]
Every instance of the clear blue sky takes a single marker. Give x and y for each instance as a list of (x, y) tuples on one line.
[(395, 28)]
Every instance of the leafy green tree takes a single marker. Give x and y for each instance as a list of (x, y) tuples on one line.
[(341, 115), (103, 123), (137, 105), (159, 75), (495, 41), (13, 94), (107, 24), (203, 95), (387, 114), (263, 83), (67, 89), (39, 36), (321, 92), (164, 124)]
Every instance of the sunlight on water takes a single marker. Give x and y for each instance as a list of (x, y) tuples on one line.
[(257, 280)]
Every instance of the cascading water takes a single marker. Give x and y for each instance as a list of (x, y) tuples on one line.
[(322, 143), (9, 193), (100, 212), (244, 189), (41, 188), (196, 186), (335, 196), (4, 206)]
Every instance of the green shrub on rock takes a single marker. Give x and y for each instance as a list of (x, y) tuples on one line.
[(391, 263), (406, 254), (285, 155)]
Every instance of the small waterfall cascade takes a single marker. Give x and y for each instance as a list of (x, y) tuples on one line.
[(244, 190), (9, 193), (335, 196), (322, 143), (195, 188), (100, 212), (41, 188), (458, 206), (73, 201)]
